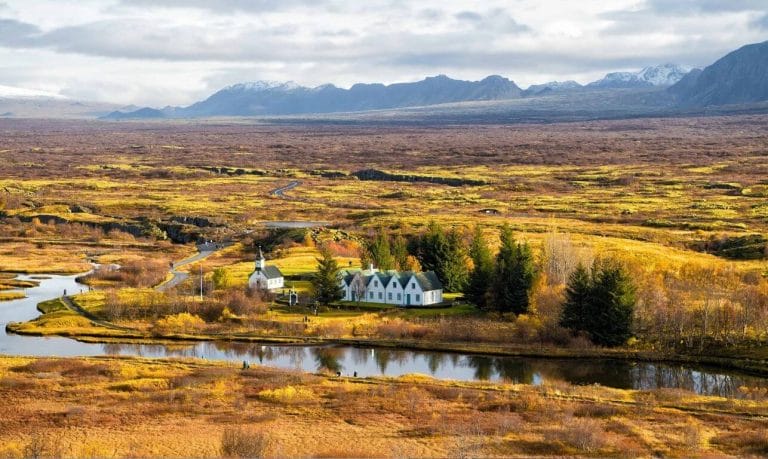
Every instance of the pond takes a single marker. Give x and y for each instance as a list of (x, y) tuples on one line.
[(368, 361)]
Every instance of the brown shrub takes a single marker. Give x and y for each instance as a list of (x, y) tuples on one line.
[(240, 443), (581, 433)]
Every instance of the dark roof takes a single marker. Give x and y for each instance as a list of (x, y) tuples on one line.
[(428, 281), (271, 272)]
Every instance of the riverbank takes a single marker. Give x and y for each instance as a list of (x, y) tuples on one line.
[(752, 361), (191, 408)]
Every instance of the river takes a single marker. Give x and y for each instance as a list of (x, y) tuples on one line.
[(367, 361)]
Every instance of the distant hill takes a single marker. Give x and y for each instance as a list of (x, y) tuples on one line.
[(140, 114), (551, 87), (267, 98), (738, 78), (660, 75)]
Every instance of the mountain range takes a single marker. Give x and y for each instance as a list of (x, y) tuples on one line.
[(737, 79), (276, 98)]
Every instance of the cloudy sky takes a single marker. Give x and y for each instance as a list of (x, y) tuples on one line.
[(158, 52)]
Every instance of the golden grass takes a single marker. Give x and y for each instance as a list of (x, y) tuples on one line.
[(181, 408), (9, 296)]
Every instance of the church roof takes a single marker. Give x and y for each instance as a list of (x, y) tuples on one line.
[(271, 272)]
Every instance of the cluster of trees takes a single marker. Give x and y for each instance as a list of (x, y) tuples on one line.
[(598, 301)]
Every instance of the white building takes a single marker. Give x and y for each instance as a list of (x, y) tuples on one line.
[(265, 277), (392, 287)]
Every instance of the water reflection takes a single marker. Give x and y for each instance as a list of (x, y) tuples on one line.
[(377, 361)]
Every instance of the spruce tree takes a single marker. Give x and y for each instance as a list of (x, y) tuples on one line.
[(577, 299), (325, 280), (482, 273), (514, 275), (400, 253), (379, 252), (601, 304), (431, 247), (612, 306), (452, 267)]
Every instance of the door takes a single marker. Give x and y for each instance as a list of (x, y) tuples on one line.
[(407, 299)]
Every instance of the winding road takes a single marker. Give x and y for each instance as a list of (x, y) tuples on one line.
[(280, 192), (204, 250)]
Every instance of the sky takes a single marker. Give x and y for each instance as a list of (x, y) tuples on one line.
[(175, 52)]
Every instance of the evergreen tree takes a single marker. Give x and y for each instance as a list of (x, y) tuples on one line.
[(430, 247), (400, 253), (379, 252), (514, 275), (452, 267), (613, 305), (601, 304), (482, 273), (577, 299), (325, 281)]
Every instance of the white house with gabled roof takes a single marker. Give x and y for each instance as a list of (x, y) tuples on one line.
[(401, 288)]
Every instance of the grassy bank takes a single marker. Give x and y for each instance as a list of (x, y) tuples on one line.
[(129, 407)]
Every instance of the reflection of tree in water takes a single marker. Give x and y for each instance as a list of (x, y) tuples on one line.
[(482, 366), (515, 370), (234, 348), (384, 357), (360, 355), (434, 361), (654, 376), (328, 358), (611, 373)]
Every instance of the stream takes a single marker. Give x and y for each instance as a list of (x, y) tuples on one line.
[(372, 361)]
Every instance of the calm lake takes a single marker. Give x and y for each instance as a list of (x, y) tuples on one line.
[(375, 361)]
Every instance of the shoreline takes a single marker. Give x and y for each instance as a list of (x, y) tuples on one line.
[(751, 366)]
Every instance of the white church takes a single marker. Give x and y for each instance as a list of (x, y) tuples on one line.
[(402, 288), (265, 277)]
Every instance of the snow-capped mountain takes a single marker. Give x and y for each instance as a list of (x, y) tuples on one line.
[(552, 86), (264, 85), (659, 75)]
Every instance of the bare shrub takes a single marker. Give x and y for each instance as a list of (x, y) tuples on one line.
[(240, 443), (581, 433)]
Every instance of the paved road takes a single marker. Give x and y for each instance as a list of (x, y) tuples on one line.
[(279, 192), (204, 250)]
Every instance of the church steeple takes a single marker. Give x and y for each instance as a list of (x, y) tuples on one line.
[(260, 262)]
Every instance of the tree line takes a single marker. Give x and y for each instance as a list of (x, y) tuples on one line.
[(599, 298)]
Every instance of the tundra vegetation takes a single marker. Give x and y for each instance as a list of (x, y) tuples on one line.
[(132, 407), (649, 236)]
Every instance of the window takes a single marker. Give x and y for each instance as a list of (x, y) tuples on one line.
[(381, 296), (418, 298), (370, 295), (375, 283), (399, 296), (413, 285), (389, 295)]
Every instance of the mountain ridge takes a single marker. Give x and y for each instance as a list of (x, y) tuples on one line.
[(739, 77)]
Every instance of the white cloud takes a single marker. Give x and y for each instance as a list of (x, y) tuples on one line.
[(161, 52)]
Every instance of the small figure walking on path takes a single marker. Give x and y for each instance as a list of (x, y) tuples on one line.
[(65, 292), (246, 365), (354, 374)]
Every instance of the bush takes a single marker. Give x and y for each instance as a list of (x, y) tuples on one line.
[(179, 323), (581, 433), (236, 443)]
